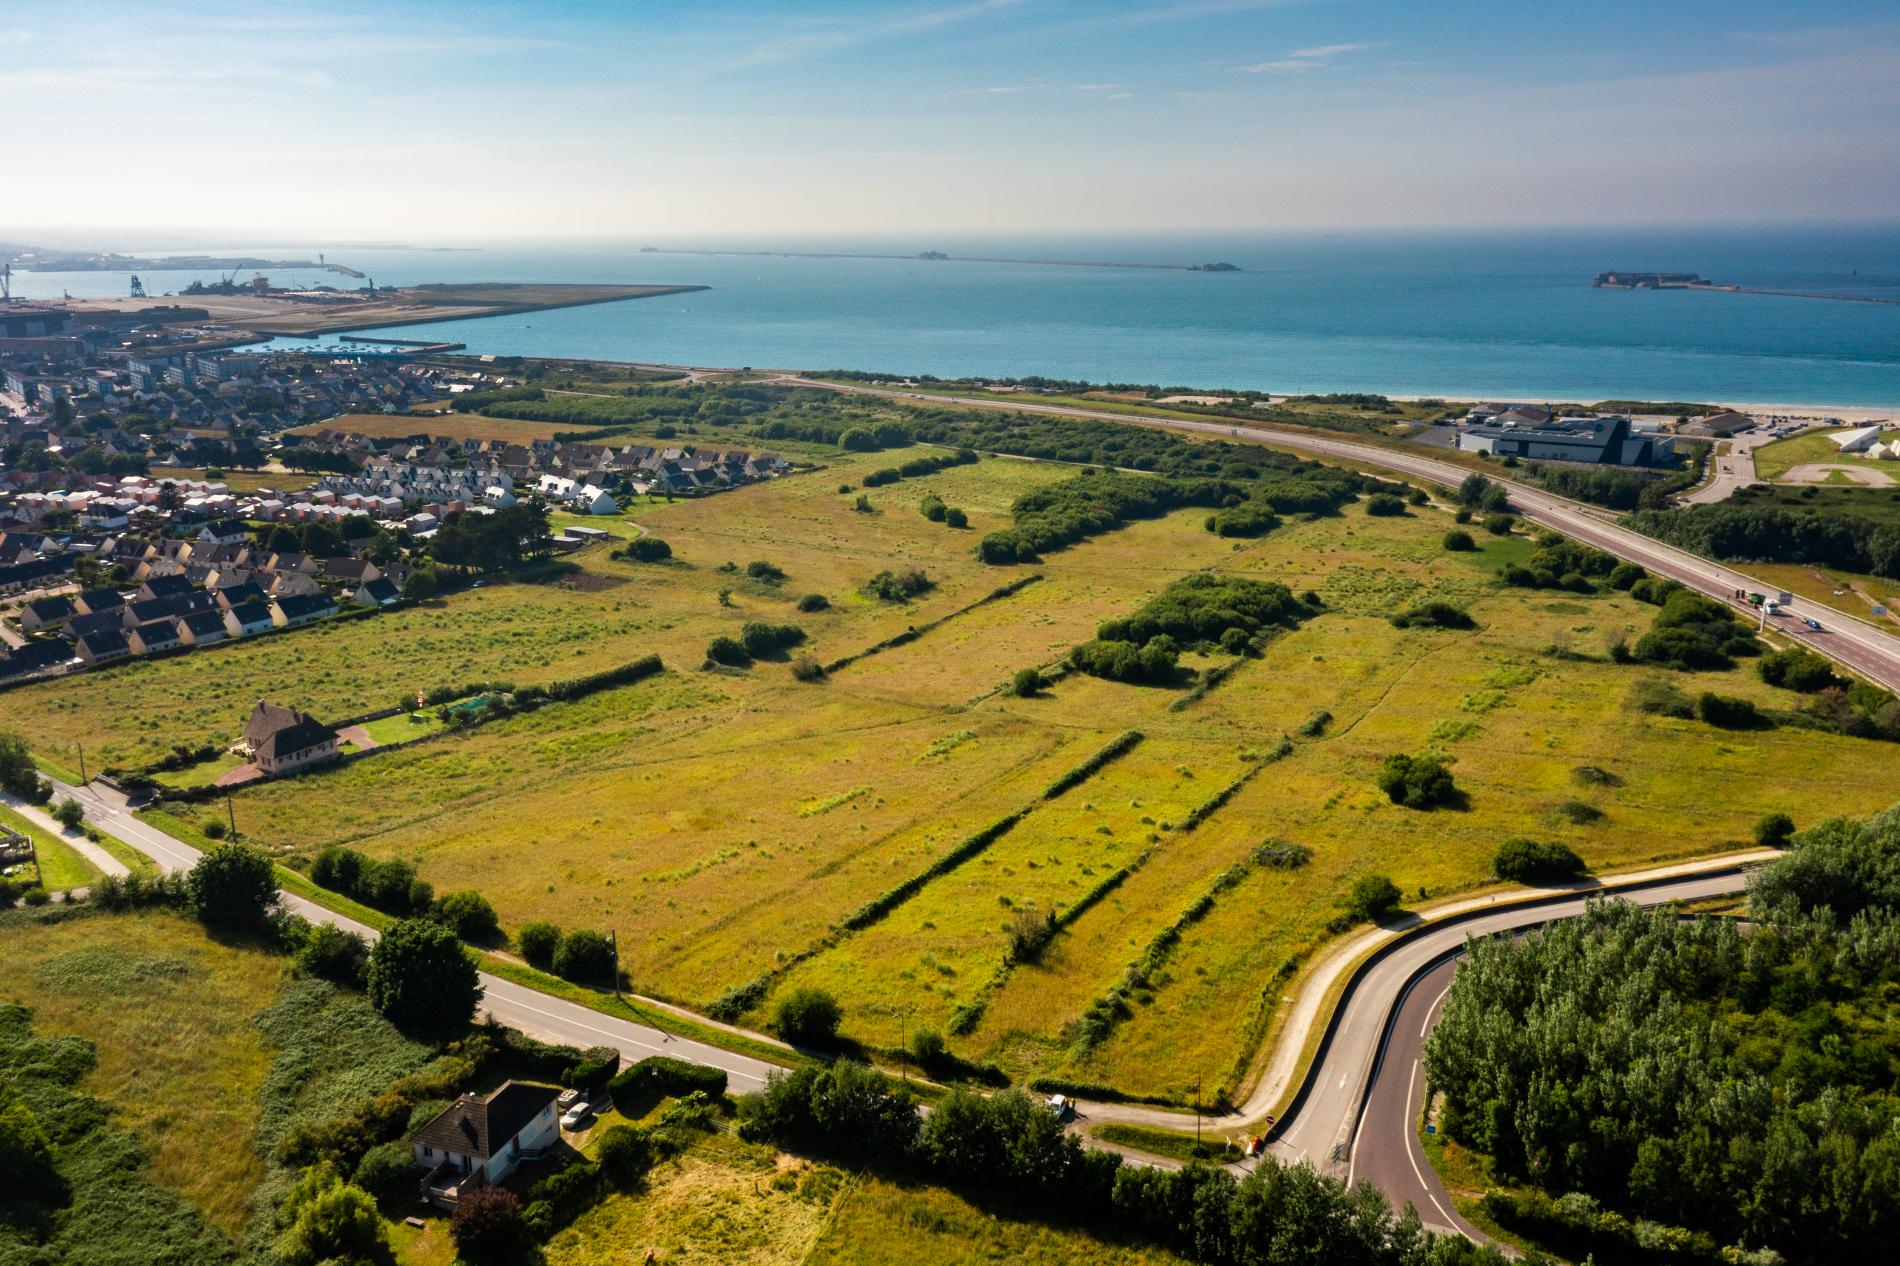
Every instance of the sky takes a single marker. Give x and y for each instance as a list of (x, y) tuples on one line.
[(446, 122)]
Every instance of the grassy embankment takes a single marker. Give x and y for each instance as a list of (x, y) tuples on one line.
[(60, 865), (1772, 461)]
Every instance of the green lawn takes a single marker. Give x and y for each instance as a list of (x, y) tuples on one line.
[(60, 865), (1772, 461)]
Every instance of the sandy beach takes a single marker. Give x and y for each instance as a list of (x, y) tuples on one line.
[(1845, 412)]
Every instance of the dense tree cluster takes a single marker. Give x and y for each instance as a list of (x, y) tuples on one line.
[(1433, 615), (1746, 529), (389, 884), (1561, 563), (491, 542), (1417, 782), (1742, 1086), (1200, 609), (422, 980), (1691, 631), (898, 586), (1536, 862)]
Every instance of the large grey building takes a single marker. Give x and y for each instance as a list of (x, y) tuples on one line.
[(1609, 441)]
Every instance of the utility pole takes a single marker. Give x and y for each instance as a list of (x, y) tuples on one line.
[(230, 815), (903, 1043), (613, 935), (1197, 1114), (83, 780)]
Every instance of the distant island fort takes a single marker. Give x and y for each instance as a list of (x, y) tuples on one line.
[(1696, 281), (1653, 281)]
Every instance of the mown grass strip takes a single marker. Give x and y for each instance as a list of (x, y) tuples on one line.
[(742, 998)]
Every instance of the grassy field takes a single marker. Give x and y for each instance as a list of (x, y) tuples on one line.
[(684, 811), (1772, 461), (169, 1010), (60, 865), (878, 1222), (1881, 505), (239, 481)]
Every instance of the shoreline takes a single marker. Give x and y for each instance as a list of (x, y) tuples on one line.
[(1780, 408)]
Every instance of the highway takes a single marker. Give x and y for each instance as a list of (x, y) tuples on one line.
[(1849, 641)]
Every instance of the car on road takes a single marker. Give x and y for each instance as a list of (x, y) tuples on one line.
[(1812, 623), (1061, 1107), (572, 1118)]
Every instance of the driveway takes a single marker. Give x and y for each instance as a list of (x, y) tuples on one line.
[(1824, 472)]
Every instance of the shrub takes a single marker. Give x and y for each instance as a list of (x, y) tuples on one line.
[(1028, 683), (1434, 615), (1281, 855), (1459, 540), (727, 651), (956, 518), (329, 1220), (1385, 505), (647, 549), (334, 954), (807, 1017), (469, 916), (1728, 713), (1774, 830), (1499, 524), (338, 869), (1798, 669), (767, 573), (1536, 861), (537, 942), (1625, 575), (933, 508), (70, 814), (808, 668), (487, 1226), (1661, 698), (1371, 898), (813, 602), (898, 586), (624, 1155), (927, 1047), (213, 828), (1029, 933), (392, 887), (645, 1083), (586, 958), (388, 1171), (761, 639), (1417, 782), (422, 980), (862, 505), (1579, 812), (232, 886)]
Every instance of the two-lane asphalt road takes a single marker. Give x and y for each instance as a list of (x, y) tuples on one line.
[(1356, 1113), (1872, 652)]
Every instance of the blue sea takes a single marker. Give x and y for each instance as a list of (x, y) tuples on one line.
[(1503, 314)]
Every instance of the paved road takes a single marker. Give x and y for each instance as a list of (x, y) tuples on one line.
[(551, 1019), (105, 862), (1873, 653)]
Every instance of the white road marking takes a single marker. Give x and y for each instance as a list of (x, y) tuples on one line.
[(1413, 1147), (1426, 1023)]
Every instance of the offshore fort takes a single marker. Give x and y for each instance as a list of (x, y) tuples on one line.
[(1696, 281)]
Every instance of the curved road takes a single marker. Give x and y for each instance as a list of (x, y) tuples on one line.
[(1355, 1114), (1843, 638)]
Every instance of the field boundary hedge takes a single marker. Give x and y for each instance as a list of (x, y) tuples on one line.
[(916, 631)]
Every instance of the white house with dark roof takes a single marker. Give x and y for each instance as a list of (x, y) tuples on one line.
[(282, 739), (476, 1141)]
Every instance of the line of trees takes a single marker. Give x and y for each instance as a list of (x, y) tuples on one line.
[(1010, 1152)]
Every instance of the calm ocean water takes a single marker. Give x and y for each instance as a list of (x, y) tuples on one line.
[(1504, 314)]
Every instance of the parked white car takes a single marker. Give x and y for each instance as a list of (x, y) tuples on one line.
[(575, 1115)]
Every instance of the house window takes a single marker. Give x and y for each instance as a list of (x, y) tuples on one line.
[(428, 1153)]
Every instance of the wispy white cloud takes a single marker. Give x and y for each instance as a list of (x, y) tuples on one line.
[(1326, 50), (840, 34), (1303, 59)]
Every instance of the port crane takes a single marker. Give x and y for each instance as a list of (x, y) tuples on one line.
[(138, 287)]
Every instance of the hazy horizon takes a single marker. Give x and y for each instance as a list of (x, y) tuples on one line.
[(434, 123)]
